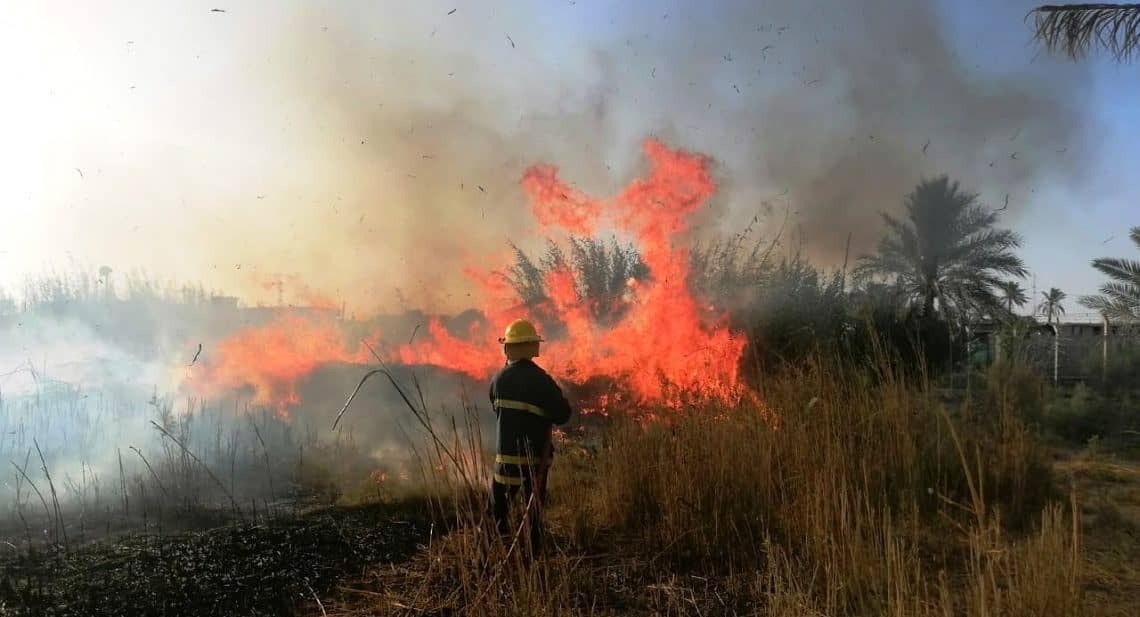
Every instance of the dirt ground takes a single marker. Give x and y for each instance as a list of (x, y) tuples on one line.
[(1108, 491)]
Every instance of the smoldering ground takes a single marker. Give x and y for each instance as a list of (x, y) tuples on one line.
[(93, 419)]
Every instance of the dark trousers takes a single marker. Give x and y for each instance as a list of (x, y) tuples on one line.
[(533, 489)]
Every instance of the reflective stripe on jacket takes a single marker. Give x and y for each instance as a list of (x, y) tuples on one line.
[(527, 403)]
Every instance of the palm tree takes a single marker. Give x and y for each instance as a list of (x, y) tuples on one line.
[(1052, 308), (1120, 297), (946, 253), (1073, 28), (1013, 295)]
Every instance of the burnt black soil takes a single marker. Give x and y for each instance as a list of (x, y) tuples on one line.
[(270, 567)]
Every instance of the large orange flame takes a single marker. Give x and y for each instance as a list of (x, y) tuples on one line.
[(272, 358), (661, 351)]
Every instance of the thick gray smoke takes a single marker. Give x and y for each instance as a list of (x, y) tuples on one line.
[(373, 149), (887, 99), (831, 109)]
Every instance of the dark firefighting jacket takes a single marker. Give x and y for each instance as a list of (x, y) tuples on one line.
[(527, 403)]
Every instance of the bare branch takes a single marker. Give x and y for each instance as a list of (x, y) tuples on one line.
[(54, 496), (152, 473), (24, 473)]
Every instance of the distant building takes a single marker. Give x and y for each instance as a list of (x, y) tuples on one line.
[(1092, 324), (1081, 351)]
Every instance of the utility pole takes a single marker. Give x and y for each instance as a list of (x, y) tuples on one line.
[(1034, 305), (1104, 352), (1056, 355), (846, 254)]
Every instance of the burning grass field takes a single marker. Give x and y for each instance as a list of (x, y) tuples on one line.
[(842, 483), (871, 496)]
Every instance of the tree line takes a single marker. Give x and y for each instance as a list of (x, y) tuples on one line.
[(942, 265)]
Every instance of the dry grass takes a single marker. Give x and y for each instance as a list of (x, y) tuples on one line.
[(1109, 490), (871, 497)]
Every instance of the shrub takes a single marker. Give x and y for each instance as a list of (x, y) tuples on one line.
[(1085, 413)]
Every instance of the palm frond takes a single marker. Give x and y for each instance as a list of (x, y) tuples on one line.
[(1012, 292), (1110, 307), (883, 263), (1096, 303), (1120, 296), (975, 219), (1124, 270), (1050, 310), (1073, 28), (990, 250), (1002, 262), (1051, 307), (1124, 292)]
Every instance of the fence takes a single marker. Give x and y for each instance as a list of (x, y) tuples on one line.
[(1088, 350)]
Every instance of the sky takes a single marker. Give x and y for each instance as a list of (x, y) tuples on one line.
[(363, 150), (1069, 226)]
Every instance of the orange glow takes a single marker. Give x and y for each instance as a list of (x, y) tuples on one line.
[(661, 351), (271, 359), (664, 351), (557, 205)]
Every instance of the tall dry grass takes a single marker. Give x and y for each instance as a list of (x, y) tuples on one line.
[(872, 496)]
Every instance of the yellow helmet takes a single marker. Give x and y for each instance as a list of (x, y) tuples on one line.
[(520, 331)]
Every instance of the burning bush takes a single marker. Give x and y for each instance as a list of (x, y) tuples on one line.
[(628, 315)]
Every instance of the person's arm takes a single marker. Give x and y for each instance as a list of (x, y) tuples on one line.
[(556, 407), (491, 394)]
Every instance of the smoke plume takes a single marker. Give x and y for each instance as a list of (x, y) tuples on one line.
[(372, 150), (831, 110)]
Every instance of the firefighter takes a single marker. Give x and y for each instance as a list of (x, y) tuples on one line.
[(527, 403)]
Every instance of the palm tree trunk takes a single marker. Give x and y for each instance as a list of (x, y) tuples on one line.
[(928, 304)]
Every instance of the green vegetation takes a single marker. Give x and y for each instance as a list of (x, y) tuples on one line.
[(1120, 296), (1073, 28), (1051, 308)]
